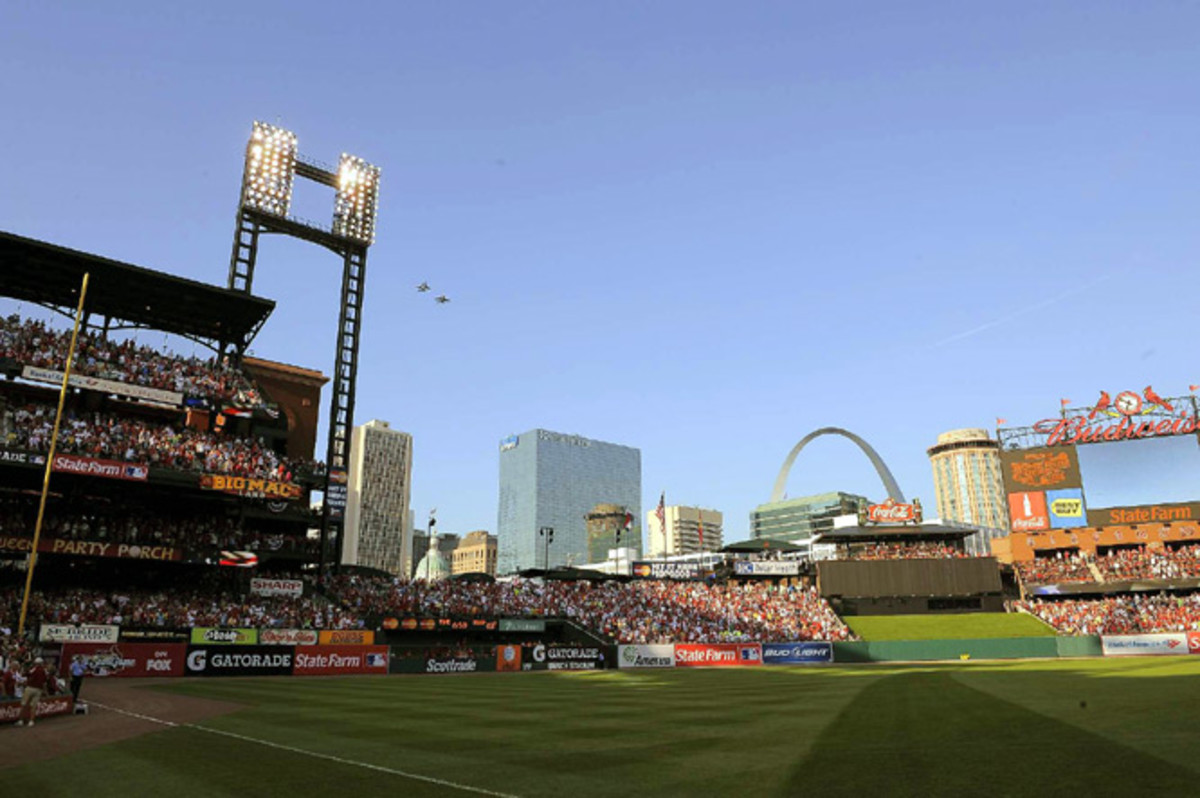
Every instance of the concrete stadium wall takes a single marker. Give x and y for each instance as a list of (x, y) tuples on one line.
[(991, 648)]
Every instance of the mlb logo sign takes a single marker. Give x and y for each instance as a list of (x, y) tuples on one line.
[(376, 660), (136, 472), (750, 654)]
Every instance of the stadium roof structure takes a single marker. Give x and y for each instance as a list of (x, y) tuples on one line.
[(874, 534), (132, 296), (756, 545)]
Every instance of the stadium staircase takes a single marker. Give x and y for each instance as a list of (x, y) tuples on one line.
[(1095, 571)]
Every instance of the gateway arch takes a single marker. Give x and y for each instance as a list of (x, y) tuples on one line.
[(889, 482)]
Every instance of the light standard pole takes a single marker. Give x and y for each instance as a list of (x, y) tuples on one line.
[(547, 535)]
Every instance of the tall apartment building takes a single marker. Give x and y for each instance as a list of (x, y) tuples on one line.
[(969, 484), (475, 554), (377, 531), (549, 480), (685, 530)]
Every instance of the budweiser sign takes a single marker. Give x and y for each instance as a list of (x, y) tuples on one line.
[(1125, 417), (891, 512)]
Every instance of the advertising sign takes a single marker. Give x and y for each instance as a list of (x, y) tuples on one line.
[(240, 661), (766, 568), (85, 633), (128, 659), (335, 496), (1066, 508), (657, 656), (508, 658), (155, 635), (1042, 468), (509, 443), (451, 665), (93, 548), (109, 469), (347, 637), (10, 711), (255, 488), (567, 658), (340, 660), (892, 512), (1193, 639), (287, 637), (804, 653), (679, 571), (1027, 511), (21, 457), (1185, 511), (522, 625), (693, 655), (104, 386), (1126, 645), (226, 637), (277, 587), (409, 624)]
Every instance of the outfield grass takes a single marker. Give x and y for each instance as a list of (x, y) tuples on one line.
[(1086, 727), (968, 626)]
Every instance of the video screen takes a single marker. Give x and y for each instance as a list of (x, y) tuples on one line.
[(1133, 473)]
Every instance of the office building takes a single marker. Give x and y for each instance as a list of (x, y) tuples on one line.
[(685, 530), (969, 484), (377, 533), (551, 481), (799, 520), (476, 554)]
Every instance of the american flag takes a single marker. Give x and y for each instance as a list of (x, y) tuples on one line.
[(661, 512)]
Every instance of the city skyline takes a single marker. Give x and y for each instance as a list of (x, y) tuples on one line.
[(701, 230)]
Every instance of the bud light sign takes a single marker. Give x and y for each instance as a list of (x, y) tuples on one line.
[(806, 653)]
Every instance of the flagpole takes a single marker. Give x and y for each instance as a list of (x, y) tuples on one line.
[(62, 398)]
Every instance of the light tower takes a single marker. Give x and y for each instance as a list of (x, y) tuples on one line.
[(272, 164)]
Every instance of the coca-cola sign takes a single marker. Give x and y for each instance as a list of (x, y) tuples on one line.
[(892, 512)]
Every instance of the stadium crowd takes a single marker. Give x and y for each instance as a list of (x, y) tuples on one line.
[(1123, 614), (636, 612), (1059, 568), (191, 605), (139, 440), (915, 550), (34, 343), (1144, 563)]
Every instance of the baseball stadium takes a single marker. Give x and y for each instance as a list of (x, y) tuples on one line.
[(178, 621)]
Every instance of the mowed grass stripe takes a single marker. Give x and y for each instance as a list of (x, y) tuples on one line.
[(761, 731)]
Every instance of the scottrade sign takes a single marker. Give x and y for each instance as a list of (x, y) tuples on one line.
[(805, 653)]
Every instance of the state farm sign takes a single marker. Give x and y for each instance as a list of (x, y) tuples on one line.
[(334, 660), (109, 469), (693, 655)]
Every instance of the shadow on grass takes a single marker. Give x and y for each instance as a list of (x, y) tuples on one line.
[(926, 734)]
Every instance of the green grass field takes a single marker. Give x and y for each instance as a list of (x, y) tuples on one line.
[(1087, 727), (947, 627)]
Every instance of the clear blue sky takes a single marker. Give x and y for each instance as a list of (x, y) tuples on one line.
[(702, 229)]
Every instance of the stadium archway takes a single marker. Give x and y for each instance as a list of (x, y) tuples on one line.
[(889, 482)]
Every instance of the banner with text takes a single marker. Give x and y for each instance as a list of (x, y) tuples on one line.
[(92, 548), (21, 457), (678, 571), (567, 658), (277, 587), (239, 661), (85, 633), (340, 660), (805, 653), (254, 488), (226, 637), (287, 637), (1193, 642), (104, 386), (766, 568), (108, 469), (10, 711), (347, 637), (1126, 645), (646, 656), (693, 655), (127, 659)]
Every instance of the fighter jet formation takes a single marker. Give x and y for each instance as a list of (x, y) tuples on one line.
[(441, 299)]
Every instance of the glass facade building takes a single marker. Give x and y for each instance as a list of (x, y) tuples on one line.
[(548, 479), (970, 489), (799, 520)]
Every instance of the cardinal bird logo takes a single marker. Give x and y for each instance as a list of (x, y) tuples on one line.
[(1102, 405), (1155, 399)]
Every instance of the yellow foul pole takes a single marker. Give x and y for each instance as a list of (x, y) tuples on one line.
[(62, 398)]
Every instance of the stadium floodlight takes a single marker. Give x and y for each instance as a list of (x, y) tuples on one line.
[(270, 168), (357, 196)]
